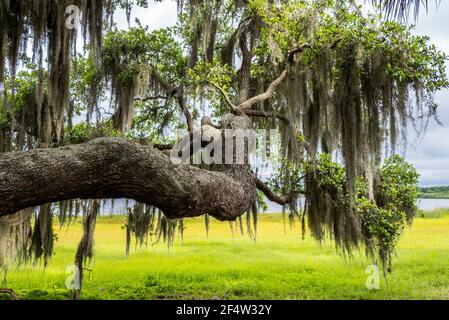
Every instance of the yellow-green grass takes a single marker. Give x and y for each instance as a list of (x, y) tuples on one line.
[(277, 266)]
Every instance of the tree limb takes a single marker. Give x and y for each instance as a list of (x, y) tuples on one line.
[(223, 93), (117, 168), (259, 113), (243, 107), (282, 200), (10, 292), (182, 104), (270, 90)]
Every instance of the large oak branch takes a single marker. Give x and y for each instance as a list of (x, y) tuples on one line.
[(117, 168)]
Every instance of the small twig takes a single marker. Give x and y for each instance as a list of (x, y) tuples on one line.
[(224, 94), (106, 112), (90, 271), (171, 92), (182, 104)]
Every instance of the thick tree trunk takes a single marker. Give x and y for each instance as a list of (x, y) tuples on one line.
[(117, 168)]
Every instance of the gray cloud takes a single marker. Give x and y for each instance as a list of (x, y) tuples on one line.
[(431, 154)]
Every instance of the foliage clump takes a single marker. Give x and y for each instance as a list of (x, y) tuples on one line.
[(378, 219)]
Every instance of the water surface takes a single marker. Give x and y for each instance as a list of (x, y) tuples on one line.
[(120, 206)]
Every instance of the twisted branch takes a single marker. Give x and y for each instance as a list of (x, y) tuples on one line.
[(290, 61), (10, 292)]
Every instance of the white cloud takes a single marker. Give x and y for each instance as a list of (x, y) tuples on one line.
[(157, 15)]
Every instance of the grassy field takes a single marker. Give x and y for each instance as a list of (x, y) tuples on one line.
[(435, 195), (278, 266)]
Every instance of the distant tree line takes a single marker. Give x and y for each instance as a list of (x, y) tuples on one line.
[(435, 192)]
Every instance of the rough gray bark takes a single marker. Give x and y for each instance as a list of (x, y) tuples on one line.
[(117, 168)]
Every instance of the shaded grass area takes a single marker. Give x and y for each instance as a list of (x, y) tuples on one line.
[(278, 266), (436, 214)]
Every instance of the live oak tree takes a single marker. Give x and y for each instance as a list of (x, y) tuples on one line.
[(338, 86)]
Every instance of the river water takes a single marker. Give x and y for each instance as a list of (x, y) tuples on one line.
[(424, 204), (432, 204)]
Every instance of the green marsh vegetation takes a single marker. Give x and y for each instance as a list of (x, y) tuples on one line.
[(223, 266), (440, 192)]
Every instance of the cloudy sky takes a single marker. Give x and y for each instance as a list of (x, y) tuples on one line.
[(430, 153)]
